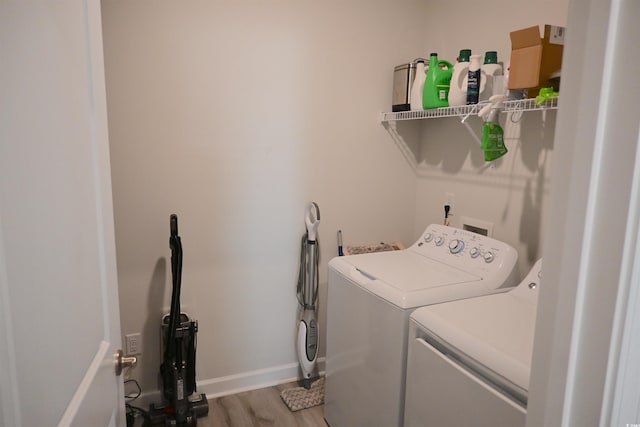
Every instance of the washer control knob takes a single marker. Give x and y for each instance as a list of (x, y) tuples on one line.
[(474, 252), (456, 246), (428, 237), (488, 256), (439, 241)]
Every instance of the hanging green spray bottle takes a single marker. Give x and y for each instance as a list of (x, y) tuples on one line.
[(492, 133)]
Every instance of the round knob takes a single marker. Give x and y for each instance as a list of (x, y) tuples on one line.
[(428, 237), (474, 252), (456, 246), (439, 241), (488, 256), (124, 362)]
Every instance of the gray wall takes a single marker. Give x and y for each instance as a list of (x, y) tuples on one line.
[(512, 192), (236, 115)]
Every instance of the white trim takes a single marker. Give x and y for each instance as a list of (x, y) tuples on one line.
[(9, 396), (621, 400), (586, 237), (592, 211)]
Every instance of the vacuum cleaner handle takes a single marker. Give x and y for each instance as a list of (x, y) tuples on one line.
[(173, 225), (176, 251), (176, 272)]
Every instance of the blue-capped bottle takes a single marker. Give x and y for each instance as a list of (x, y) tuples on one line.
[(473, 80)]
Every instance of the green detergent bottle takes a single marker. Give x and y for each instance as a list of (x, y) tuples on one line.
[(436, 85)]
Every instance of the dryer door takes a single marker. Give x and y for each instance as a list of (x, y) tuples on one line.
[(439, 392)]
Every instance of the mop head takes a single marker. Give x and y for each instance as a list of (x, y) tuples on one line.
[(298, 398)]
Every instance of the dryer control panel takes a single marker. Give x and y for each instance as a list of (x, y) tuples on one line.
[(465, 249)]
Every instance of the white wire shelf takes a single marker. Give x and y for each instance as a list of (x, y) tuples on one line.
[(465, 111)]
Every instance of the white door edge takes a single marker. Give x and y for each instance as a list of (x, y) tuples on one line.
[(8, 381)]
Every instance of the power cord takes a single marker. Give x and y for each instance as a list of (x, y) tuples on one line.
[(133, 411), (447, 208), (138, 392)]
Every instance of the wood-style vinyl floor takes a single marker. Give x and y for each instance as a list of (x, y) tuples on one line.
[(258, 408)]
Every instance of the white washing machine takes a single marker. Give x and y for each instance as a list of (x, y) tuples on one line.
[(370, 298), (469, 361)]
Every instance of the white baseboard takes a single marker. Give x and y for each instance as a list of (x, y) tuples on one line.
[(253, 380), (237, 383)]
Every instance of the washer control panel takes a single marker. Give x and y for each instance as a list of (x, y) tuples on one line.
[(453, 245)]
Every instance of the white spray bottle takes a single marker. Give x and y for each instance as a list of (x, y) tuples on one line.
[(418, 86)]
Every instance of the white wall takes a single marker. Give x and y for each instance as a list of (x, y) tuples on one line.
[(512, 192), (235, 115)]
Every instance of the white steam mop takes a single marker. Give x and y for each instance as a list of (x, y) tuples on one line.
[(312, 392), (307, 291)]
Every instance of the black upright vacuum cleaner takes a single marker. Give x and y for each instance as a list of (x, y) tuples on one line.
[(181, 405)]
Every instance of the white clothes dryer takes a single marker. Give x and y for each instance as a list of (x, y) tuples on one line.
[(370, 298), (469, 361)]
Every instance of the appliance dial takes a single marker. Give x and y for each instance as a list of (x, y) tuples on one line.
[(488, 256), (474, 252), (428, 237), (439, 240), (456, 246)]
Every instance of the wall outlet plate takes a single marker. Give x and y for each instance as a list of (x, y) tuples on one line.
[(477, 226), (133, 344)]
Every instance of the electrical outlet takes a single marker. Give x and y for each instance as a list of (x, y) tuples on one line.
[(449, 199), (133, 344)]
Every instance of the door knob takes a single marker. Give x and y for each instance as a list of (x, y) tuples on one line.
[(124, 362)]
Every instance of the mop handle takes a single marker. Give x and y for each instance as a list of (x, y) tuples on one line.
[(312, 220), (311, 284)]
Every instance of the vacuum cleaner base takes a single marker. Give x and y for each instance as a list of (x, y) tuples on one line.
[(199, 407)]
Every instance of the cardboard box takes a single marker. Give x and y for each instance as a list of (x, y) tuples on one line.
[(534, 59)]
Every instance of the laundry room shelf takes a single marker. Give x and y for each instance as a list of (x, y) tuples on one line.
[(468, 110)]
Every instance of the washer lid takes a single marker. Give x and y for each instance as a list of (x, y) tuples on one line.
[(496, 331), (407, 271), (407, 279)]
